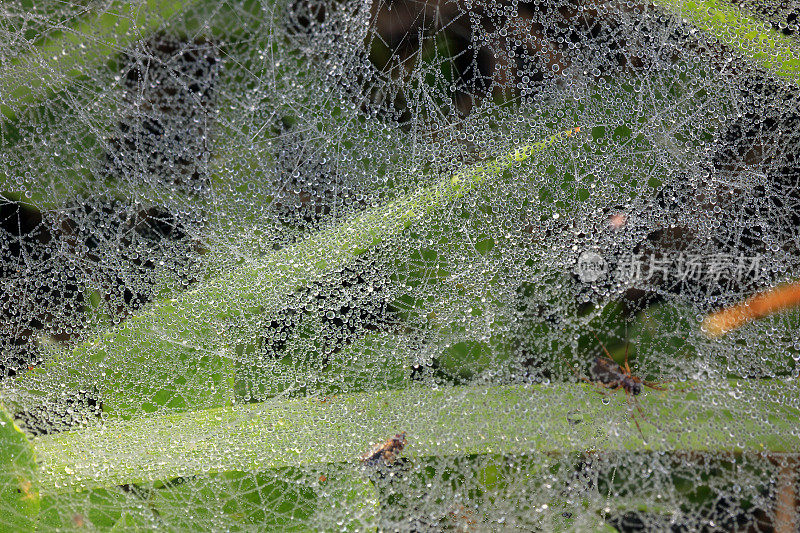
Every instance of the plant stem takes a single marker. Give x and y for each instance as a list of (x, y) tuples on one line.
[(732, 416), (758, 306)]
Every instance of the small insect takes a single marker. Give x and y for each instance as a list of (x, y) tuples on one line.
[(27, 490), (78, 520), (608, 373), (386, 451), (459, 518)]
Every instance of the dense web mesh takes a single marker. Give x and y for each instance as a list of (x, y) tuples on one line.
[(349, 265)]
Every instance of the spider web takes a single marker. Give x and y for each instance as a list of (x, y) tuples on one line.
[(158, 157)]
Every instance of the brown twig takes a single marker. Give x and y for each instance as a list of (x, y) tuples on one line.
[(786, 513), (757, 306)]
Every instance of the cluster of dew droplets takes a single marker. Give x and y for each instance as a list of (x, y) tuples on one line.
[(232, 131)]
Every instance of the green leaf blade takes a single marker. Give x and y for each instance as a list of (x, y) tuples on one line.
[(19, 493), (458, 421)]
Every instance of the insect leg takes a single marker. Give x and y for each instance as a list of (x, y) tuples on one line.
[(574, 369), (641, 413), (632, 399), (655, 385), (638, 427), (627, 367), (603, 346), (602, 388)]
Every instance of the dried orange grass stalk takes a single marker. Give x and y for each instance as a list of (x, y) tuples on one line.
[(757, 306)]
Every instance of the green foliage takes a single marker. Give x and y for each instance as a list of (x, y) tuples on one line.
[(279, 433), (75, 51), (236, 465), (19, 489), (751, 38), (139, 358)]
